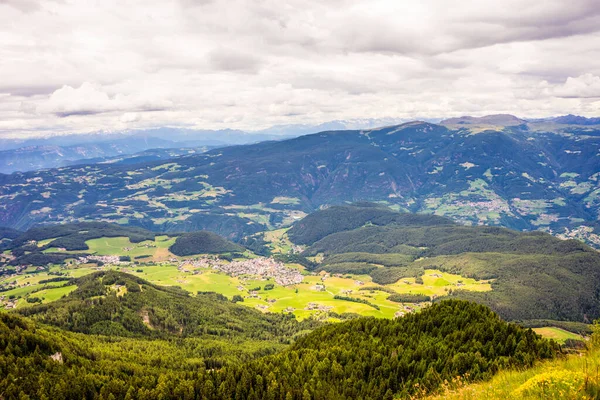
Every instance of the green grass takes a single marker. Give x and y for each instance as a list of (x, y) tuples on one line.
[(278, 241), (438, 283), (117, 246), (122, 246), (572, 377), (557, 334), (286, 200), (53, 294), (205, 280), (42, 243), (297, 297)]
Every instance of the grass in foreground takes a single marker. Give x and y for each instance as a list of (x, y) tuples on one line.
[(576, 376)]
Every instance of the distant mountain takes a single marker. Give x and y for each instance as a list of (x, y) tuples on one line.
[(62, 150), (497, 120), (59, 151), (521, 177), (141, 157), (50, 156), (362, 123), (576, 120)]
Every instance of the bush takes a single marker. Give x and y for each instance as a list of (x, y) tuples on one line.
[(132, 287), (408, 298), (237, 299), (33, 300)]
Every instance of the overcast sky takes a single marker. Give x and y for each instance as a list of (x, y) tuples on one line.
[(79, 66)]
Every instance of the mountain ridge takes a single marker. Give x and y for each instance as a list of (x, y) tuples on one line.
[(513, 177)]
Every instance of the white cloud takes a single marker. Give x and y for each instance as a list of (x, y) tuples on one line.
[(583, 86), (90, 99), (71, 66)]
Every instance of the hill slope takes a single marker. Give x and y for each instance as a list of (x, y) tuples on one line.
[(366, 358), (203, 242), (534, 275), (115, 303)]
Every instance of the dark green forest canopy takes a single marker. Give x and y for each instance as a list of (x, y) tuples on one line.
[(203, 242), (334, 219), (535, 275), (365, 358), (9, 233)]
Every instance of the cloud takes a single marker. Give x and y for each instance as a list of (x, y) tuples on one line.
[(85, 100), (90, 99), (583, 86), (249, 64), (22, 5), (232, 60)]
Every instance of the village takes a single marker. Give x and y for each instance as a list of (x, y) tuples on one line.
[(262, 267)]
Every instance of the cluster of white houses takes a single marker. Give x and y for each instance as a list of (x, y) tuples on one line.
[(262, 267), (108, 260)]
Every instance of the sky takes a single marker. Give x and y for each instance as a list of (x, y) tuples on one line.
[(82, 66)]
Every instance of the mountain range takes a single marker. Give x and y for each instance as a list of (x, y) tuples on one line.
[(535, 175), (50, 151)]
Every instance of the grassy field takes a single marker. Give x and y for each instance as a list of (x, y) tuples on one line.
[(157, 250), (558, 334), (319, 289), (278, 241), (438, 283)]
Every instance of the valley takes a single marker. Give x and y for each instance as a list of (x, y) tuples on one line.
[(314, 295), (179, 269), (347, 261), (322, 200)]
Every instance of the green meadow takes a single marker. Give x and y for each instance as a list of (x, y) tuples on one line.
[(558, 334), (157, 250)]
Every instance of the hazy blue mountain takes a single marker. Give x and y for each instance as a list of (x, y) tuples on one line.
[(50, 156), (60, 150)]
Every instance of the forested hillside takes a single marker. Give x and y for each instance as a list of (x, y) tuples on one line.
[(533, 275), (365, 358), (118, 304), (203, 242), (319, 224)]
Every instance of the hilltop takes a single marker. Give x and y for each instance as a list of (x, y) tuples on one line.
[(501, 120), (203, 242)]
